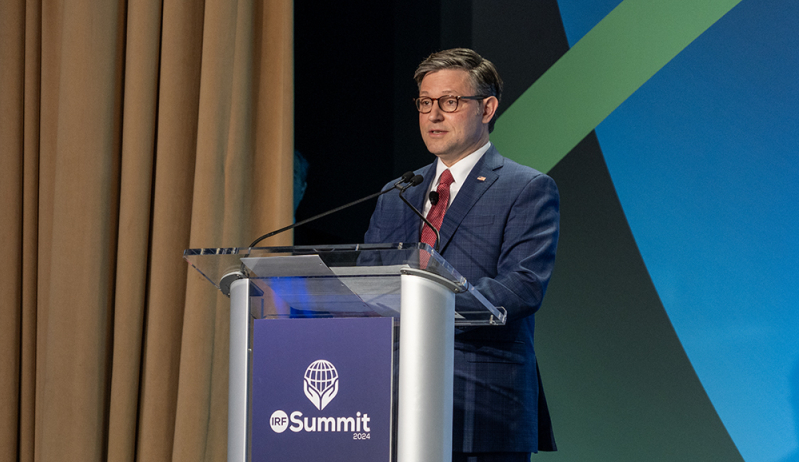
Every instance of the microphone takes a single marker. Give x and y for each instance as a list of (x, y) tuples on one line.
[(415, 181), (433, 197), (407, 177)]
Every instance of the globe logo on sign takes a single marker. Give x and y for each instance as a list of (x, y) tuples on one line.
[(321, 383)]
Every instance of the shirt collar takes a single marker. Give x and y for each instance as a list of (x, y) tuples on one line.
[(461, 169)]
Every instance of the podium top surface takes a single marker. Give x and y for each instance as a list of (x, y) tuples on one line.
[(357, 280)]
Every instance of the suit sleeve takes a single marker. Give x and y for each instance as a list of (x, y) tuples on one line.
[(527, 252), (374, 235)]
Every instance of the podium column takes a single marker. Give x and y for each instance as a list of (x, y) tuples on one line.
[(427, 357), (238, 391)]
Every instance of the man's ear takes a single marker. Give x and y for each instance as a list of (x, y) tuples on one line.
[(490, 106)]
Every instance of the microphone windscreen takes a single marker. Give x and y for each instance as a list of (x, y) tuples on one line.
[(433, 198), (417, 180), (406, 177)]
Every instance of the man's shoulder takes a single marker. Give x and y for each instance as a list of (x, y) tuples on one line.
[(513, 168)]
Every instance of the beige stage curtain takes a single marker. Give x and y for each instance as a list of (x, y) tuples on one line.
[(129, 131)]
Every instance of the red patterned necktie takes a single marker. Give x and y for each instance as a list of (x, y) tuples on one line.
[(436, 213)]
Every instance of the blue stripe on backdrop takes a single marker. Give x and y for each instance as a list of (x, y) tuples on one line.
[(703, 158), (580, 16)]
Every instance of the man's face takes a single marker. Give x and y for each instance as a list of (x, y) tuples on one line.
[(453, 135)]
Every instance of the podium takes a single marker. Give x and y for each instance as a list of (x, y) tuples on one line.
[(410, 283)]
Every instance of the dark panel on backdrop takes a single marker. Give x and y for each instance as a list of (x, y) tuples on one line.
[(522, 38), (343, 54)]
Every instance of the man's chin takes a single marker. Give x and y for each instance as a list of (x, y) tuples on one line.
[(436, 149), (446, 155)]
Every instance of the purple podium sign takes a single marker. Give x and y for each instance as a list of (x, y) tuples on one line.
[(322, 390)]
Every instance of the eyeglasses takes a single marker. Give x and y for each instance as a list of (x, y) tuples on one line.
[(447, 103)]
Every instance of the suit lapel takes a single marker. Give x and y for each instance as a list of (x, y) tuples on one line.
[(482, 176), (417, 196)]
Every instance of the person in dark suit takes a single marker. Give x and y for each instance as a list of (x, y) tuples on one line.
[(499, 230)]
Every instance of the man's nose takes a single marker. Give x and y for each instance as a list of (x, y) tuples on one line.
[(435, 114)]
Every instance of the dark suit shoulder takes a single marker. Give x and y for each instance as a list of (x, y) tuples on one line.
[(517, 177), (512, 167)]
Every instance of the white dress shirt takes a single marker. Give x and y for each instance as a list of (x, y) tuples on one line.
[(460, 170)]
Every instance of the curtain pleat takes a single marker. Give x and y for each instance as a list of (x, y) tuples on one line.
[(82, 209), (12, 102), (142, 53), (129, 132), (181, 51), (30, 226)]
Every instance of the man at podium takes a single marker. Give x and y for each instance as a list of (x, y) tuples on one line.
[(498, 223)]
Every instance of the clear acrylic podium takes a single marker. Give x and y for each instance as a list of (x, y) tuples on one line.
[(408, 282)]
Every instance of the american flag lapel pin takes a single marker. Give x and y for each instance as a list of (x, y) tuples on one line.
[(481, 178)]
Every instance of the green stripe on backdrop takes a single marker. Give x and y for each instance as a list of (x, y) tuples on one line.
[(603, 69)]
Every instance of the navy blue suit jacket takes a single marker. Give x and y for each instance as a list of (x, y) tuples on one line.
[(500, 232)]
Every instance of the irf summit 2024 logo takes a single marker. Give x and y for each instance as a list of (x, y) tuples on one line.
[(320, 385)]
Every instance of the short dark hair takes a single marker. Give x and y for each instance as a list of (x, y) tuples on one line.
[(483, 75)]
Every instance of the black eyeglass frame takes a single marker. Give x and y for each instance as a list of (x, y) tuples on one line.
[(438, 100)]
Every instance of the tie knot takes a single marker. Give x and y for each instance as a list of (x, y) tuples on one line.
[(446, 178)]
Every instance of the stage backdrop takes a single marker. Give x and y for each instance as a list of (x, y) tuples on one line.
[(670, 328)]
